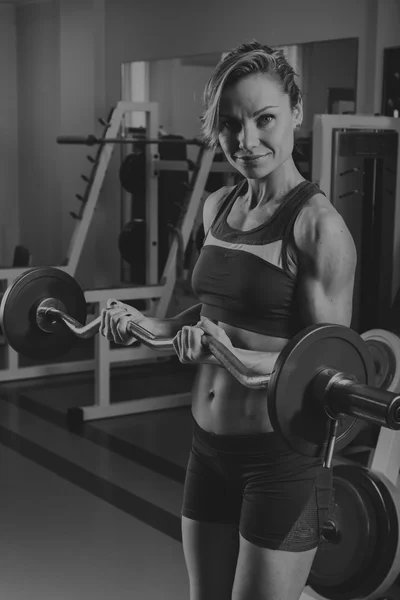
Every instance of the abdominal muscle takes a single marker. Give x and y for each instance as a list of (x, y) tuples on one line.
[(220, 403)]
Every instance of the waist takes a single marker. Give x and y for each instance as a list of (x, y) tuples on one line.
[(221, 404), (238, 442)]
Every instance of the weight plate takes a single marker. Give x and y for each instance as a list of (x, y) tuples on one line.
[(18, 312), (294, 411), (362, 559), (385, 349)]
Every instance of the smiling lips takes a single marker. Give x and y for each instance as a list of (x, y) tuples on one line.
[(251, 159)]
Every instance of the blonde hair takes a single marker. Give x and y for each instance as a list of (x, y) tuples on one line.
[(244, 60)]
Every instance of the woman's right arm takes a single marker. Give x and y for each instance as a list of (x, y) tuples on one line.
[(115, 318), (191, 316), (168, 328)]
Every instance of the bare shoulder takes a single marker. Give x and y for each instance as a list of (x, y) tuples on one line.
[(212, 205), (321, 228)]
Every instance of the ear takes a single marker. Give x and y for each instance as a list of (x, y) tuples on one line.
[(297, 114)]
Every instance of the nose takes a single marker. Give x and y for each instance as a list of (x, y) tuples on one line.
[(248, 137)]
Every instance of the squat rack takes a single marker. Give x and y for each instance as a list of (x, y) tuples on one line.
[(158, 296)]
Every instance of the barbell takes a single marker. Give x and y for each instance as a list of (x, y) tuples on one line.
[(320, 389), (92, 140)]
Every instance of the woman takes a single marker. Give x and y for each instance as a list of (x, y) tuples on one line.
[(277, 257)]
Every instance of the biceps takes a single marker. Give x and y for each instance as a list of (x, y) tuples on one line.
[(322, 302)]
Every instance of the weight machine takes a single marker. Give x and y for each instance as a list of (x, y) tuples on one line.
[(356, 162)]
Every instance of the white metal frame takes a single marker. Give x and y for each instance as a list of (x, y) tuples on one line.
[(322, 164), (14, 371), (102, 407)]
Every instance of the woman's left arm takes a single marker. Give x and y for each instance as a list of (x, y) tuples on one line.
[(327, 260), (327, 264)]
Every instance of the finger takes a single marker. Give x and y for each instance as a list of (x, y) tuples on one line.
[(112, 303), (193, 343), (107, 322), (176, 342), (208, 326), (102, 322), (184, 343), (118, 325)]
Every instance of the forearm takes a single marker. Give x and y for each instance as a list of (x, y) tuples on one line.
[(259, 363), (168, 328)]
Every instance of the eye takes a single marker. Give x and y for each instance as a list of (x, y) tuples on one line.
[(230, 125), (264, 120)]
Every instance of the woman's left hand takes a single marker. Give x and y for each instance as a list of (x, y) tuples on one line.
[(215, 331)]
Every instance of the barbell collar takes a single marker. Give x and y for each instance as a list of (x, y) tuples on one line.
[(344, 395)]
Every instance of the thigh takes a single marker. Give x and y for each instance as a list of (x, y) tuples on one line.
[(265, 574), (287, 513), (210, 527), (211, 551), (208, 495)]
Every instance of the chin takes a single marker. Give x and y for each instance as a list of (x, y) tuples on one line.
[(254, 172)]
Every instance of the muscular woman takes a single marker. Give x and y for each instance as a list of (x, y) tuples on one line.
[(277, 257)]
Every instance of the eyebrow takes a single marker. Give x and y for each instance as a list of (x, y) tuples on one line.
[(257, 111)]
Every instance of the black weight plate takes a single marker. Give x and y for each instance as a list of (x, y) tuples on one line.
[(363, 557), (18, 312), (294, 411)]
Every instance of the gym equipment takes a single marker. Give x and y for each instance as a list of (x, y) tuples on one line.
[(132, 174), (359, 555), (306, 397), (91, 140), (29, 332), (395, 314), (385, 349), (131, 244), (356, 163)]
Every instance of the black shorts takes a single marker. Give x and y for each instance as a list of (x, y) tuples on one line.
[(278, 498)]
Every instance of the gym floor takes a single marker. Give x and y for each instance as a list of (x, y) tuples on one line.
[(95, 513)]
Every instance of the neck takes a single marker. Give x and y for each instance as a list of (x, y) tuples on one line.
[(274, 186)]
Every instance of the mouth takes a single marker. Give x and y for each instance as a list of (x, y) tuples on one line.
[(248, 160)]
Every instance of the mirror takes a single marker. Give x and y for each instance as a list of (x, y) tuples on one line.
[(327, 76)]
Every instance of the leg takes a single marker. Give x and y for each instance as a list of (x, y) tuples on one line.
[(280, 529), (264, 574), (210, 526), (211, 551)]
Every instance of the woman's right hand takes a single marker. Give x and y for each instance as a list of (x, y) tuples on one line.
[(115, 319)]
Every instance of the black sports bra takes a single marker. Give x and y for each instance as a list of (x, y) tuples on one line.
[(240, 288)]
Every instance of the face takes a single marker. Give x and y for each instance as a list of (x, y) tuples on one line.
[(256, 125)]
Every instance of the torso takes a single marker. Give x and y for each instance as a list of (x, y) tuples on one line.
[(220, 403)]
